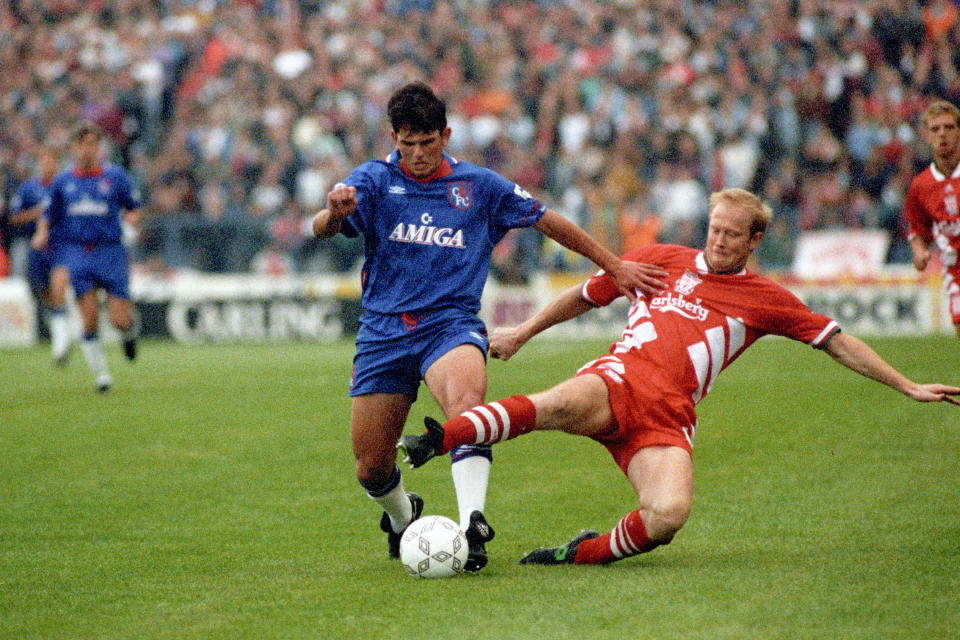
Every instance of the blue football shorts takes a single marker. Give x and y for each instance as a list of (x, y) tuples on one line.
[(394, 351), (98, 265)]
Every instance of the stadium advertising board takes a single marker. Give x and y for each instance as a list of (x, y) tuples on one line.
[(895, 305), (878, 309), (200, 309), (196, 309), (18, 314), (255, 320), (841, 254)]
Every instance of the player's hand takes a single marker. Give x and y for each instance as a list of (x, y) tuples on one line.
[(921, 257), (504, 342), (934, 393), (128, 233), (632, 276), (39, 240), (133, 217), (341, 201)]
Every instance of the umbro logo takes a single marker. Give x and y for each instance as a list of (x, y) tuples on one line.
[(397, 190)]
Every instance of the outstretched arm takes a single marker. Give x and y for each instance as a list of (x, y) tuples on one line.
[(506, 341), (26, 215), (854, 354), (628, 276)]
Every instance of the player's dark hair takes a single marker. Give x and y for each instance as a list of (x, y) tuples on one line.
[(416, 106), (84, 128)]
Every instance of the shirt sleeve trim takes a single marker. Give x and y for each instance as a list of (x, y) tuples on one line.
[(828, 332), (586, 297)]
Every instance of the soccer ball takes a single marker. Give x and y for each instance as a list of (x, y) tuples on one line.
[(433, 547)]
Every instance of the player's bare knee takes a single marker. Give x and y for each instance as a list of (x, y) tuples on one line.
[(464, 402), (559, 407), (472, 399), (121, 320), (375, 467), (374, 470), (665, 520)]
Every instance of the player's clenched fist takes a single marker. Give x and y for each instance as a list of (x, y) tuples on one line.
[(504, 342), (341, 202)]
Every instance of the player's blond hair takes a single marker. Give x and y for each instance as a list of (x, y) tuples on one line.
[(939, 108), (760, 211)]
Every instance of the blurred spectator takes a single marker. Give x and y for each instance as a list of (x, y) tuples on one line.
[(233, 116), (776, 253), (272, 261), (679, 199), (4, 262)]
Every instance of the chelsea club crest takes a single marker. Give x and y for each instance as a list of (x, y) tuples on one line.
[(460, 194)]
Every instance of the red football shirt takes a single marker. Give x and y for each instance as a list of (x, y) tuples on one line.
[(704, 320), (933, 211)]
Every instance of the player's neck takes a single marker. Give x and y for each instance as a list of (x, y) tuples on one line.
[(88, 171), (722, 273), (442, 170), (947, 165)]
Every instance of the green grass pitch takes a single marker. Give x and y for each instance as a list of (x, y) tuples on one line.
[(212, 495)]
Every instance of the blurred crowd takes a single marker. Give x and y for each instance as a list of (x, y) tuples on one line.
[(236, 117)]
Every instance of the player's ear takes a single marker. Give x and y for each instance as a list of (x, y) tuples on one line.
[(755, 240), (445, 135), (396, 143)]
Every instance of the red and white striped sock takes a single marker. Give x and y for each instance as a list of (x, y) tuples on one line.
[(490, 423), (628, 538)]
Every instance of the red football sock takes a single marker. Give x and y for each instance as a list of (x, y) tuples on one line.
[(489, 423), (626, 539)]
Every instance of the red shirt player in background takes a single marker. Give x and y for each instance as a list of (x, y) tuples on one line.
[(932, 207), (638, 400)]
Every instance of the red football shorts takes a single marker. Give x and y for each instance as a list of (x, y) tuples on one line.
[(649, 410)]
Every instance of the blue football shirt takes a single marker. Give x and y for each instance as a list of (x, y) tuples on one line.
[(28, 195), (85, 208), (427, 242)]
